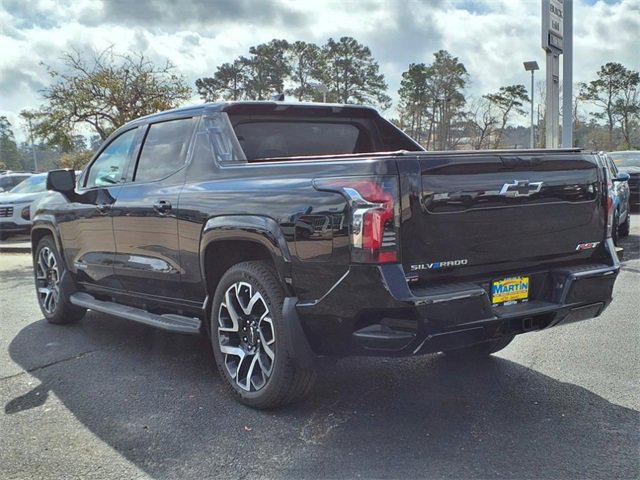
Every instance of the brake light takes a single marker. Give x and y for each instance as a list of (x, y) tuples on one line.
[(374, 216), (609, 205)]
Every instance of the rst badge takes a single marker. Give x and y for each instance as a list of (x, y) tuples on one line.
[(439, 265), (587, 246)]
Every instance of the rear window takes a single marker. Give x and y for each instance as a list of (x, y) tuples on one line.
[(295, 139)]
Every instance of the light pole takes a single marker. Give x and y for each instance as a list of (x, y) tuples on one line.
[(531, 66), (322, 88)]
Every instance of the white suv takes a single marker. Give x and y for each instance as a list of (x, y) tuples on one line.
[(15, 205)]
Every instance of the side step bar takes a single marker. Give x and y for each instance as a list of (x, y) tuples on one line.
[(168, 322)]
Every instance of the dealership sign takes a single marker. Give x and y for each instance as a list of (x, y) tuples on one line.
[(552, 11)]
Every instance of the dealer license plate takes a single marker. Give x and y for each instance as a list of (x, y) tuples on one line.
[(510, 290)]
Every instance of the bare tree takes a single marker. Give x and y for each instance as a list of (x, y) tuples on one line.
[(104, 90), (482, 119), (508, 100)]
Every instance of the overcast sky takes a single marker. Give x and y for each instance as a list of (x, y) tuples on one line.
[(490, 37)]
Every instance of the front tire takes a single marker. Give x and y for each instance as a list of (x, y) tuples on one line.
[(250, 340), (480, 350), (53, 294)]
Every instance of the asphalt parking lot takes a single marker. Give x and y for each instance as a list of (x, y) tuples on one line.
[(109, 398)]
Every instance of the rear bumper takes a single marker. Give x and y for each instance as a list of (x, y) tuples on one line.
[(372, 310)]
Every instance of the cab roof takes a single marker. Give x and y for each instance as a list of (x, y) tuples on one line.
[(264, 107)]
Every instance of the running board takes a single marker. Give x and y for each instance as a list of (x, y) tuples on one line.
[(167, 322)]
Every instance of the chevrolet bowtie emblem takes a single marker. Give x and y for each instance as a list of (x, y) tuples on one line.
[(520, 188)]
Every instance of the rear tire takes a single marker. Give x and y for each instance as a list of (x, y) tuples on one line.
[(615, 232), (625, 228), (480, 350), (53, 293), (250, 339)]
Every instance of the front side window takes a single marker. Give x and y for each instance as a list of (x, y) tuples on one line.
[(108, 168), (165, 149)]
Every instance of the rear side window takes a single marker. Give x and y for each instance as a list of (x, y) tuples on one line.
[(164, 150), (292, 139)]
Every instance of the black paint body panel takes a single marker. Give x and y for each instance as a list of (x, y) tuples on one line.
[(450, 208)]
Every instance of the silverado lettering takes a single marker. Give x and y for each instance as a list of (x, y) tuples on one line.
[(428, 266)]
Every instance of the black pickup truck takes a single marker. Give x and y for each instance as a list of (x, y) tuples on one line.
[(286, 231)]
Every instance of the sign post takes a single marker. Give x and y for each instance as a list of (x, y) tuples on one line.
[(552, 43), (567, 75)]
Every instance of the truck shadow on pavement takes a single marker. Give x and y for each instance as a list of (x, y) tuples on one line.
[(157, 400)]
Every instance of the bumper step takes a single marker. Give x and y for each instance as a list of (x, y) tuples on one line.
[(530, 308), (168, 322), (378, 336)]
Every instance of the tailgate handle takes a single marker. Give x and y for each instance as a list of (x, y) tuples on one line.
[(520, 188)]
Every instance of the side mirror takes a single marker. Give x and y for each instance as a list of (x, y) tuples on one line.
[(63, 181), (622, 177)]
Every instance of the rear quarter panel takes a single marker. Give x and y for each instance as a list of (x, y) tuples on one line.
[(310, 220)]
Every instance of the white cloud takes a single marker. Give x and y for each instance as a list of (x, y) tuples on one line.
[(491, 38)]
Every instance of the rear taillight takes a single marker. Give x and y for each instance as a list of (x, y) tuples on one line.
[(609, 205), (374, 216)]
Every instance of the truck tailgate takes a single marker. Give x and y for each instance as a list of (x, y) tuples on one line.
[(494, 211)]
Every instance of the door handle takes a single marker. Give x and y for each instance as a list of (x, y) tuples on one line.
[(103, 207), (162, 206)]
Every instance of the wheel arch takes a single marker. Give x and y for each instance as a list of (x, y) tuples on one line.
[(42, 229), (242, 238)]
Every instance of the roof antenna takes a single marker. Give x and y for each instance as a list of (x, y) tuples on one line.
[(278, 97)]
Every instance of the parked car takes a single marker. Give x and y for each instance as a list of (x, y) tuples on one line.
[(15, 214), (286, 231), (629, 162), (9, 179), (621, 195)]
